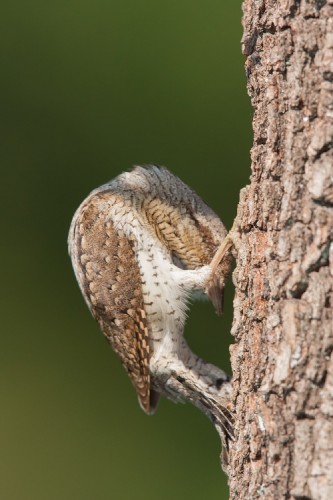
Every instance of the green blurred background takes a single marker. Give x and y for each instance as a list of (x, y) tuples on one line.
[(87, 90)]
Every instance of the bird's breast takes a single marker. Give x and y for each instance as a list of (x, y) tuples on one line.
[(164, 300)]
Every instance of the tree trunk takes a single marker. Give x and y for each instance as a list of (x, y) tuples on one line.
[(282, 357)]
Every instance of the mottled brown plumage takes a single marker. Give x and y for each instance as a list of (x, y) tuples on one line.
[(110, 282), (140, 245)]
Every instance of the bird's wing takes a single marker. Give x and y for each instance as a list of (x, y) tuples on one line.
[(107, 271)]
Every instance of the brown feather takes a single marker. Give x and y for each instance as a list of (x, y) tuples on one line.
[(150, 204), (108, 274)]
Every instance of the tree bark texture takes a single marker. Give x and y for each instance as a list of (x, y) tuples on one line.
[(283, 326)]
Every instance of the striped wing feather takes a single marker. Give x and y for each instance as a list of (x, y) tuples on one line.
[(107, 271)]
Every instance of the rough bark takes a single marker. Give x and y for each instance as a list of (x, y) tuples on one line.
[(282, 357)]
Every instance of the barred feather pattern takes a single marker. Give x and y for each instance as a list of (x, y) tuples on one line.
[(130, 241)]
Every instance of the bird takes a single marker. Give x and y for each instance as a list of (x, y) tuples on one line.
[(142, 247)]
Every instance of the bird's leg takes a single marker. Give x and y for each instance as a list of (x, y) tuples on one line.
[(231, 242), (221, 252), (220, 268), (228, 245)]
